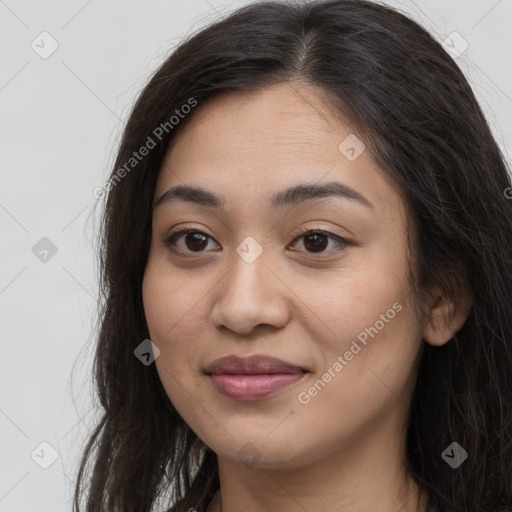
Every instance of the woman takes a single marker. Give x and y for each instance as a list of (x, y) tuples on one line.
[(308, 218)]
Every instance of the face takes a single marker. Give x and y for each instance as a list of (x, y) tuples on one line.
[(335, 304)]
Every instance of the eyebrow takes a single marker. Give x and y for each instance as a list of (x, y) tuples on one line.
[(290, 197)]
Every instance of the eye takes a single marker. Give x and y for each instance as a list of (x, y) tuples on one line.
[(195, 240), (314, 240)]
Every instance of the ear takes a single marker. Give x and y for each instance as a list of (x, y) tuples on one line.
[(447, 316)]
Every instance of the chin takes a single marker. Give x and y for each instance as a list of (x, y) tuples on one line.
[(261, 451)]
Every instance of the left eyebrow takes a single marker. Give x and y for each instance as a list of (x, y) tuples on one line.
[(288, 197), (301, 193)]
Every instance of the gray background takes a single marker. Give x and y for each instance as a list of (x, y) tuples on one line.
[(60, 121)]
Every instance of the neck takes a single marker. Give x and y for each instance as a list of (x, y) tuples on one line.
[(416, 500), (362, 475)]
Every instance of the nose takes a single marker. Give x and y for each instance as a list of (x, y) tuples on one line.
[(249, 296)]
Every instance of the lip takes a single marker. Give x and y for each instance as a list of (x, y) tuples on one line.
[(252, 378), (252, 365)]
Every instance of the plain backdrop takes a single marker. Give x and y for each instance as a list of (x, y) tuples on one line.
[(60, 120)]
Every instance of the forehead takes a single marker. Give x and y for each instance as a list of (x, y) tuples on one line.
[(259, 124), (249, 145)]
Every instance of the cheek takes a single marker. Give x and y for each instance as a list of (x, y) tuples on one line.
[(170, 311), (174, 305), (372, 362), (371, 298), (171, 303), (373, 327), (158, 308)]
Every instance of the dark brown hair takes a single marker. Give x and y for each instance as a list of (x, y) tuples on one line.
[(422, 124)]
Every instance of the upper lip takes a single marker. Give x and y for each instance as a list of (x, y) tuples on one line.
[(252, 365)]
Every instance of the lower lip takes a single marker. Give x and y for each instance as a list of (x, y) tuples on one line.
[(253, 387)]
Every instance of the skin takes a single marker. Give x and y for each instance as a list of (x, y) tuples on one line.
[(344, 450)]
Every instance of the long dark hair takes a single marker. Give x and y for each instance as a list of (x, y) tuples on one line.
[(421, 122)]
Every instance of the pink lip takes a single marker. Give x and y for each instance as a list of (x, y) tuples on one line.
[(251, 365), (253, 387), (252, 378)]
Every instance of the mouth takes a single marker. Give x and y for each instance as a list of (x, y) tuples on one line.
[(252, 378)]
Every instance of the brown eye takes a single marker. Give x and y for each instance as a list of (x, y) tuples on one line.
[(194, 240), (317, 241)]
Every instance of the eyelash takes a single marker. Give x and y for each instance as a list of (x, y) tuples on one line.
[(169, 240)]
